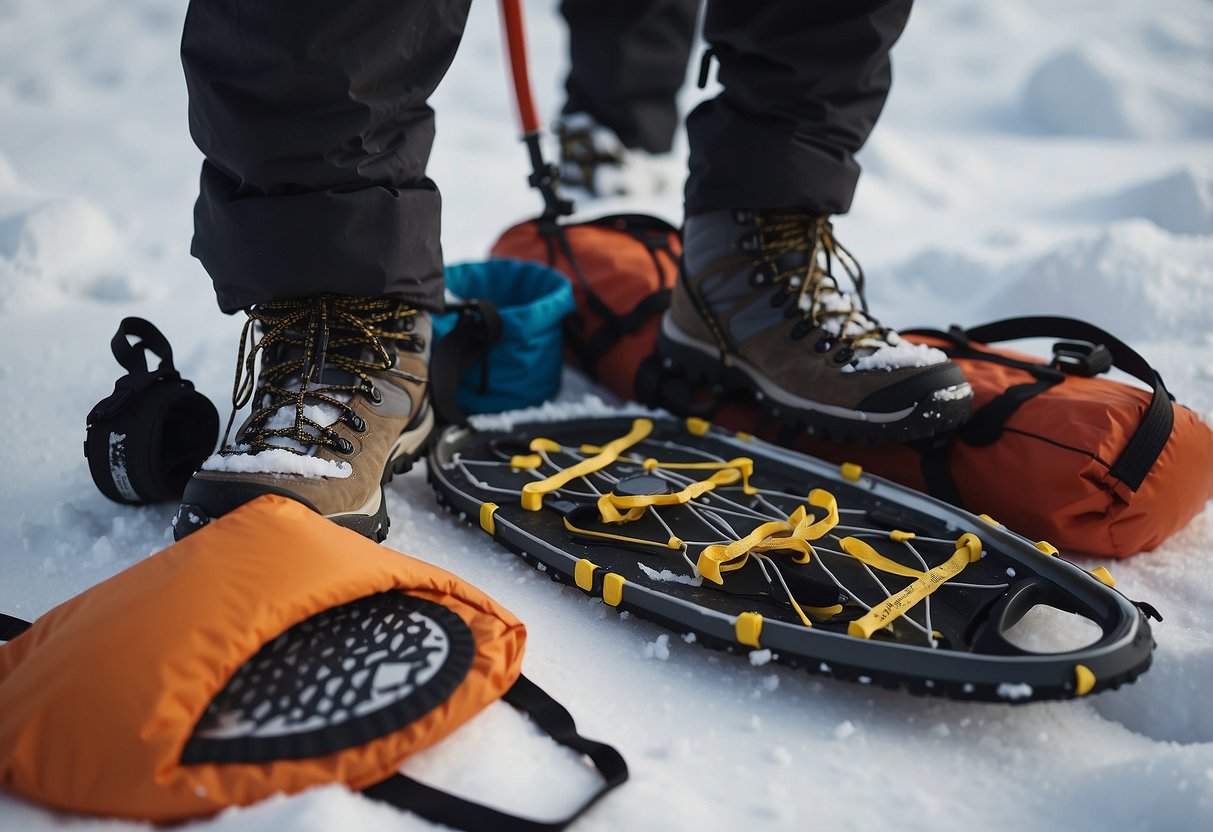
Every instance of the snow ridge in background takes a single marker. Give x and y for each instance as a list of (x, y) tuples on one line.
[(1159, 282), (1089, 90), (1034, 158)]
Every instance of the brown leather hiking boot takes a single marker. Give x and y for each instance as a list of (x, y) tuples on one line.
[(759, 308), (339, 407)]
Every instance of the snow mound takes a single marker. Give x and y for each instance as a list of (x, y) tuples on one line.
[(1089, 91), (941, 272), (1180, 202), (56, 236), (8, 177), (59, 245), (1158, 705), (1135, 280)]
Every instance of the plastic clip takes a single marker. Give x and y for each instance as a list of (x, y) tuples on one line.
[(1080, 358)]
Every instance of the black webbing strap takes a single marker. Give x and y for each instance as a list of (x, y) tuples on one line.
[(987, 424), (936, 467), (1151, 434), (11, 627), (476, 330), (615, 328), (442, 807)]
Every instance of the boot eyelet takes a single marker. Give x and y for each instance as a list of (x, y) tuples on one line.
[(748, 243), (372, 393), (824, 344), (802, 329), (344, 446), (356, 423), (844, 355)]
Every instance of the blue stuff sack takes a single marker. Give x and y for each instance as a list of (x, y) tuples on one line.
[(523, 368)]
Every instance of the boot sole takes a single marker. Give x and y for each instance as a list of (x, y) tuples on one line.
[(370, 519), (700, 364)]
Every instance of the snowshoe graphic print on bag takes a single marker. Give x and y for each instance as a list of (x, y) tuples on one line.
[(336, 680)]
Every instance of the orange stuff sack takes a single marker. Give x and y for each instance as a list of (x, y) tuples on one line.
[(622, 269), (266, 653), (1054, 450)]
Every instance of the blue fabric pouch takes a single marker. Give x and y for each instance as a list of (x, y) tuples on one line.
[(523, 367)]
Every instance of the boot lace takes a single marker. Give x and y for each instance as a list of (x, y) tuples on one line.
[(299, 340), (581, 156), (813, 284)]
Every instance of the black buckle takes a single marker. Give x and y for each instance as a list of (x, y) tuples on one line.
[(1081, 358)]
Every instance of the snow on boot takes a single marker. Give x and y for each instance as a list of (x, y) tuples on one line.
[(339, 407), (759, 308)]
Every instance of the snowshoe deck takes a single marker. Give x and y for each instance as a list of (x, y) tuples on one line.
[(751, 546)]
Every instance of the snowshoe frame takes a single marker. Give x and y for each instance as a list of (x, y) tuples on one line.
[(866, 581)]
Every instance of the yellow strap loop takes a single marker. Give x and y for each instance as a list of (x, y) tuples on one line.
[(864, 553), (791, 535), (532, 492), (743, 464), (968, 549), (773, 536), (609, 504), (807, 529)]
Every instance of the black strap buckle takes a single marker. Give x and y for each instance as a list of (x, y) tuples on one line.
[(476, 330), (1081, 358)]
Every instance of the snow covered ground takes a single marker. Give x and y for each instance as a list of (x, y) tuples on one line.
[(1034, 157)]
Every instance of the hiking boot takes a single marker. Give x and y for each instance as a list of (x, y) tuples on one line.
[(759, 308), (339, 407), (595, 163)]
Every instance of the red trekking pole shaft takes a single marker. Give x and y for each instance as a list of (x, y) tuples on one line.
[(543, 175), (515, 40)]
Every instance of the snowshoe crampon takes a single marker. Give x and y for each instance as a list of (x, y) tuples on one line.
[(751, 546)]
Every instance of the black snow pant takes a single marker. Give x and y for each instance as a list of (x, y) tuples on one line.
[(804, 82), (628, 59), (313, 120)]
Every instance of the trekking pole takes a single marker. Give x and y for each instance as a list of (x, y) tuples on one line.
[(544, 175)]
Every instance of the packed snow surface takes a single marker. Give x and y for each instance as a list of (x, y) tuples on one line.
[(1034, 157)]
